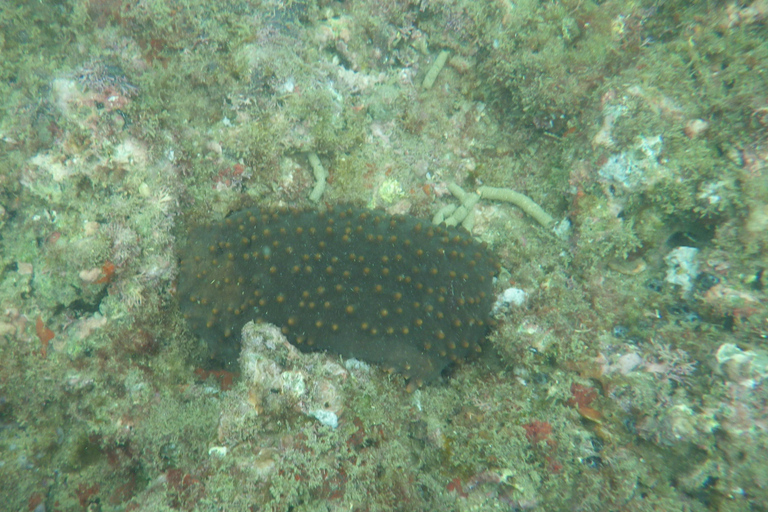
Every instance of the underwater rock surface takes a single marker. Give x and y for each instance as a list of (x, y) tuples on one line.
[(391, 290)]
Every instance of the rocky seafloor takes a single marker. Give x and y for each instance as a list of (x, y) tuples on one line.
[(612, 156)]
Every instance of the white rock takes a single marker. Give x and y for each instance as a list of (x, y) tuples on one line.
[(327, 418), (218, 451), (510, 297), (745, 367), (682, 267)]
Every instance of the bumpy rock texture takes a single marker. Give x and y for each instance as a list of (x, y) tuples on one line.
[(391, 290)]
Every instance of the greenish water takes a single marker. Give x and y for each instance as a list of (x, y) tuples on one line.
[(626, 369)]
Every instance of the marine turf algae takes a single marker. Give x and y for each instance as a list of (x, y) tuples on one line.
[(396, 291)]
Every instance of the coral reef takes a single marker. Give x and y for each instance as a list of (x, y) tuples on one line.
[(626, 369)]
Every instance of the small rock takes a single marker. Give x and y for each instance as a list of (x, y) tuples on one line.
[(695, 127), (682, 267), (510, 297), (327, 418), (745, 367)]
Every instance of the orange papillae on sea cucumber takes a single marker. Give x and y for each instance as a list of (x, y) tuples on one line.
[(390, 290)]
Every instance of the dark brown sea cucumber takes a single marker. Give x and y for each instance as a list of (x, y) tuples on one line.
[(391, 290)]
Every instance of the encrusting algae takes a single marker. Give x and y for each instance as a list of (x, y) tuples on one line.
[(390, 290)]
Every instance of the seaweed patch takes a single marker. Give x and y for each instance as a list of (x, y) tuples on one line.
[(396, 291)]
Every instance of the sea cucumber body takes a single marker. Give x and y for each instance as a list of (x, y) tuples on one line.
[(390, 290)]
